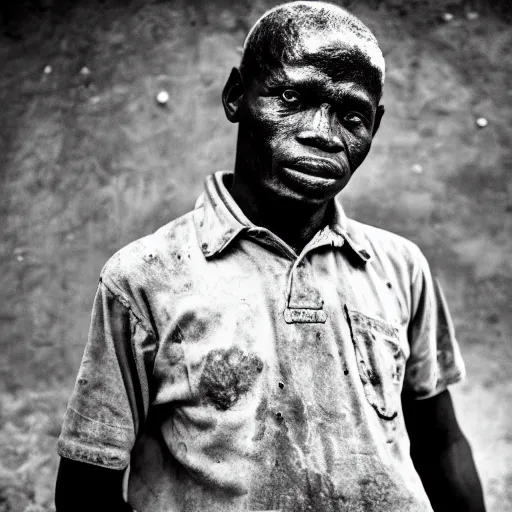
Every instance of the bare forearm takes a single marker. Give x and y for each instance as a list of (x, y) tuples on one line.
[(442, 455), (450, 478), (83, 488)]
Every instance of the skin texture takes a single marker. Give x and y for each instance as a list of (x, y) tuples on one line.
[(306, 123), (307, 109), (83, 487), (303, 133), (280, 33), (442, 455)]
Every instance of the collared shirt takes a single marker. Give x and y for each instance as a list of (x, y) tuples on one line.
[(230, 373)]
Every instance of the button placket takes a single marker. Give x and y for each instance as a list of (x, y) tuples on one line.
[(303, 294), (304, 303)]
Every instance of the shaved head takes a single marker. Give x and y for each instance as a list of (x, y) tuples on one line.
[(341, 43)]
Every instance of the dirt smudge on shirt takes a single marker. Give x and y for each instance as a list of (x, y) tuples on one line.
[(227, 375), (151, 258), (193, 326), (379, 492), (261, 413)]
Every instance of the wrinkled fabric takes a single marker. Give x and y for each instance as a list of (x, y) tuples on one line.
[(228, 373)]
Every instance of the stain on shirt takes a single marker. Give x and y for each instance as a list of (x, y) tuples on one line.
[(229, 373)]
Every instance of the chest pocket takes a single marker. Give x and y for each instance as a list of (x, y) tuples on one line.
[(380, 361)]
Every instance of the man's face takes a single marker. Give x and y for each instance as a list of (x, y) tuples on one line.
[(308, 126)]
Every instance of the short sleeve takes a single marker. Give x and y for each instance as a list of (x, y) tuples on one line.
[(435, 361), (110, 397)]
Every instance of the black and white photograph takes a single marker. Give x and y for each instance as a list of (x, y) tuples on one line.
[(256, 256)]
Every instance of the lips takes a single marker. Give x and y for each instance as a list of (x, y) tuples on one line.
[(321, 167)]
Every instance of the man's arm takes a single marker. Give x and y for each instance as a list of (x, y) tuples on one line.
[(106, 408), (84, 487), (442, 455)]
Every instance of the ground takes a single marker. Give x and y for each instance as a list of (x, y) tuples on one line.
[(90, 161)]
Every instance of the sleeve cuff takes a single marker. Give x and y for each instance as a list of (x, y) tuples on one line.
[(87, 440)]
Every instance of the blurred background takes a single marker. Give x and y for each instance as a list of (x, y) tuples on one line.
[(89, 160)]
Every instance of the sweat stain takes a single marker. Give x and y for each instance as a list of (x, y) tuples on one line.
[(227, 375)]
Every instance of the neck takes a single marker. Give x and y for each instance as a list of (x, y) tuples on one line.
[(291, 221)]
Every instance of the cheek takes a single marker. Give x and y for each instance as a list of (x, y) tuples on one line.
[(267, 115), (281, 143), (358, 146), (271, 129)]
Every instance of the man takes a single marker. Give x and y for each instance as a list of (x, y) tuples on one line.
[(264, 352)]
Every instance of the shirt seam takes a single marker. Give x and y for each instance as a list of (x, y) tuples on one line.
[(126, 303), (139, 371)]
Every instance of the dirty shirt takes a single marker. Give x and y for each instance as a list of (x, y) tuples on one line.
[(226, 372)]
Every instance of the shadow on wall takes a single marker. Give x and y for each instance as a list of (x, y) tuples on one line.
[(91, 160)]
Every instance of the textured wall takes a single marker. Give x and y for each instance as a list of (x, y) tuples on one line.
[(89, 162)]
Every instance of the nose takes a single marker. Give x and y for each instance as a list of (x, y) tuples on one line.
[(321, 135)]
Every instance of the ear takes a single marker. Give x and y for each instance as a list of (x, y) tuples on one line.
[(378, 119), (232, 95)]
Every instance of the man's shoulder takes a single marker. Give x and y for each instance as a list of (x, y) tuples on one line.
[(385, 244), (140, 259)]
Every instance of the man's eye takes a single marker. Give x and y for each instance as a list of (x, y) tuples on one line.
[(290, 96), (354, 117)]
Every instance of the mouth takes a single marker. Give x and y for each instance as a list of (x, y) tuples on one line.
[(318, 167)]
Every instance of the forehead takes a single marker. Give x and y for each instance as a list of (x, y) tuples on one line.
[(341, 44), (327, 64)]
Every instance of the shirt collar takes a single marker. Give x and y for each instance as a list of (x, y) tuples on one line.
[(341, 226), (223, 220)]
